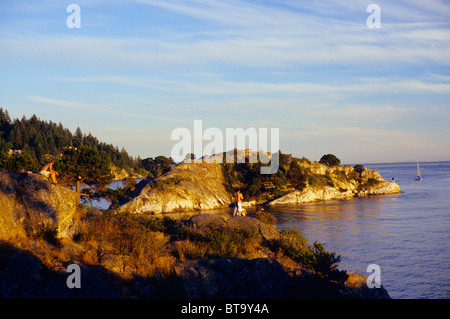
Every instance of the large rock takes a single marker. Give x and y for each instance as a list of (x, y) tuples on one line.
[(186, 187), (346, 185), (311, 194), (28, 200)]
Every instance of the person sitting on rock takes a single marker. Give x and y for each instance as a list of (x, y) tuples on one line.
[(47, 171), (238, 210)]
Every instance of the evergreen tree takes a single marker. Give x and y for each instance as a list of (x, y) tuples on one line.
[(78, 138), (44, 140), (330, 160), (85, 164)]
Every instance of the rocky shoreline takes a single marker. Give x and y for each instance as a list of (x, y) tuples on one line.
[(40, 221), (200, 186)]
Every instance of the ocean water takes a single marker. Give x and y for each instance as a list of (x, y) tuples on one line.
[(407, 235)]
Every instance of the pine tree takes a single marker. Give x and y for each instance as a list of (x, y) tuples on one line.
[(78, 138), (42, 139)]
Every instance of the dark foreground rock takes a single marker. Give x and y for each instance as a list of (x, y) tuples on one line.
[(23, 275)]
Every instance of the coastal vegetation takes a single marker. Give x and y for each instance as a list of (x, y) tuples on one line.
[(330, 160), (154, 246), (28, 144), (293, 174)]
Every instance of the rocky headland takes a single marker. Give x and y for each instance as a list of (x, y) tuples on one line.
[(344, 184), (201, 186)]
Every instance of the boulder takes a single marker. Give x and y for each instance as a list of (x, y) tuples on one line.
[(28, 200)]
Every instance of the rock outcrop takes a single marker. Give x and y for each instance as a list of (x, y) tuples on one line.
[(186, 187), (346, 185), (203, 222), (264, 278), (29, 200), (200, 186), (23, 275)]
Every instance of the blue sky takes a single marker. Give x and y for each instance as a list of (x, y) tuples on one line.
[(136, 70)]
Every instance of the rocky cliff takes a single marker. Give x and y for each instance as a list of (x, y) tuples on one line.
[(344, 183), (186, 187), (200, 186), (30, 200)]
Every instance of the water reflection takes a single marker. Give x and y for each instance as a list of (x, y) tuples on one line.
[(348, 216)]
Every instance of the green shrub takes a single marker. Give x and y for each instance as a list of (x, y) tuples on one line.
[(330, 160), (371, 182), (358, 168), (293, 245), (45, 231), (266, 217), (160, 184), (218, 242), (325, 263)]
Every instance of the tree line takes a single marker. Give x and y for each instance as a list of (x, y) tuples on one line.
[(28, 144)]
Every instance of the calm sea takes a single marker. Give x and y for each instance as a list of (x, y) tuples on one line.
[(407, 235)]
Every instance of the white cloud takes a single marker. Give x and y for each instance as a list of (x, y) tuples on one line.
[(195, 84), (92, 107), (244, 34)]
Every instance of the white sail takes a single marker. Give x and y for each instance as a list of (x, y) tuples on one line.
[(419, 175)]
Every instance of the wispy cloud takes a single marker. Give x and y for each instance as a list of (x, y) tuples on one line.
[(248, 35), (92, 107), (368, 85)]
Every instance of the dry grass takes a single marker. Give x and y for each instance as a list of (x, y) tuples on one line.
[(145, 249)]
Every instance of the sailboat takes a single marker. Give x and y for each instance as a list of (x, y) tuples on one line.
[(419, 175)]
